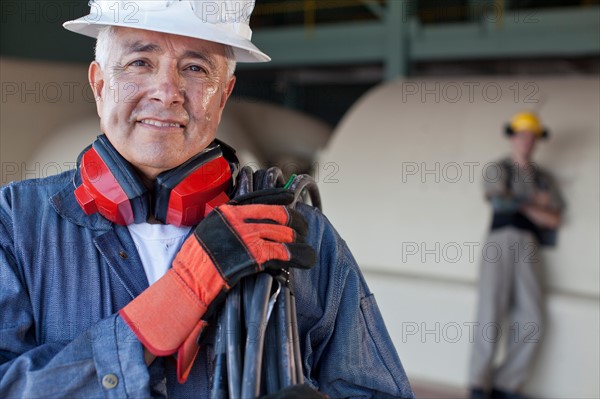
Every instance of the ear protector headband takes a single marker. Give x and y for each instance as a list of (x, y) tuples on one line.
[(509, 131), (182, 196)]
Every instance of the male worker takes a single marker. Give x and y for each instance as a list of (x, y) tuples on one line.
[(527, 211), (103, 276)]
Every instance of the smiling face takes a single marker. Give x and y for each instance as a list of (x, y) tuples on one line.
[(160, 97)]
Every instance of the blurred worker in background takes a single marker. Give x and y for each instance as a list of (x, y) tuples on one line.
[(104, 274), (527, 210)]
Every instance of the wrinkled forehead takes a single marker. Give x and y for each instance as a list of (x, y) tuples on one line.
[(129, 40)]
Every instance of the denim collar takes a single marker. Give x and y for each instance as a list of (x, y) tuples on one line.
[(65, 204)]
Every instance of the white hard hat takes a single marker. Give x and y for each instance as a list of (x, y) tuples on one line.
[(220, 21)]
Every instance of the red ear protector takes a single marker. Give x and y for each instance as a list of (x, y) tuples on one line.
[(182, 196)]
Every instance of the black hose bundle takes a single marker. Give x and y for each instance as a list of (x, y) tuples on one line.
[(260, 306)]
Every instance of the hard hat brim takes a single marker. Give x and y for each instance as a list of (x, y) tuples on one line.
[(243, 49)]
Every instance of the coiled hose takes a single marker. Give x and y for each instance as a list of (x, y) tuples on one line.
[(244, 366)]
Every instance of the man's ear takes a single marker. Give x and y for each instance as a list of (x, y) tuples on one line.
[(227, 90), (96, 79), (225, 94)]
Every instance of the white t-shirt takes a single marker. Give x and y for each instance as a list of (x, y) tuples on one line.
[(157, 245)]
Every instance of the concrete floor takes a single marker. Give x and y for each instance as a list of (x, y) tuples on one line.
[(430, 390)]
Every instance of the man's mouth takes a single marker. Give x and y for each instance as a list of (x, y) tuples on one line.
[(154, 122)]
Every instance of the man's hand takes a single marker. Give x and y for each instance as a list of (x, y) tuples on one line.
[(240, 238), (541, 199), (538, 210)]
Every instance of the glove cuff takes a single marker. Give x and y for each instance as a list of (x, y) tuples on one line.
[(164, 315), (187, 352)]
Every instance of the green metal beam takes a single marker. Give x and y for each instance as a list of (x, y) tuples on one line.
[(524, 33), (396, 55), (329, 44)]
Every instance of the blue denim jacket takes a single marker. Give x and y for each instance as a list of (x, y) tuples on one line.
[(64, 275)]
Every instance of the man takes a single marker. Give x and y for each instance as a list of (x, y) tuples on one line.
[(527, 211), (104, 277)]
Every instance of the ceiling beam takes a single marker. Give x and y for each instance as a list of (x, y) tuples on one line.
[(521, 34)]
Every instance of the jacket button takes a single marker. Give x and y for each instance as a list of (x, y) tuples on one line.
[(123, 254), (109, 381)]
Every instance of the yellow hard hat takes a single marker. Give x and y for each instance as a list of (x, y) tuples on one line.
[(526, 122)]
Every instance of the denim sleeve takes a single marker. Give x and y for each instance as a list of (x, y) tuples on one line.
[(361, 361), (105, 361), (351, 353)]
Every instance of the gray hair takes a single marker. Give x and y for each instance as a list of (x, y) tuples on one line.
[(106, 36), (103, 41), (231, 62)]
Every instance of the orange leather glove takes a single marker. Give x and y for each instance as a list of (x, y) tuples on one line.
[(243, 237)]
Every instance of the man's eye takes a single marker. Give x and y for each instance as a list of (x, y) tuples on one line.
[(196, 68), (139, 63)]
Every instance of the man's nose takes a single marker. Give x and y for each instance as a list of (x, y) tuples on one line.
[(167, 88)]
